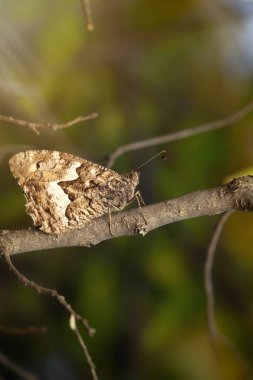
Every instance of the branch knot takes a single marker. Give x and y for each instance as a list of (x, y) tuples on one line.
[(242, 190)]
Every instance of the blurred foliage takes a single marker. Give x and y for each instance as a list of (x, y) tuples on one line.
[(149, 68)]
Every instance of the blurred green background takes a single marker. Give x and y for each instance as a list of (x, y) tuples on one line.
[(149, 68)]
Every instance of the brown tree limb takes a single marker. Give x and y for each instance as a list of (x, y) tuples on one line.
[(236, 195), (159, 140), (54, 126)]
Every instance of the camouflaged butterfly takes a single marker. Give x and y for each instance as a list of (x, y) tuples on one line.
[(63, 191)]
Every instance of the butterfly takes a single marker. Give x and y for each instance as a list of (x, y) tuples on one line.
[(65, 192)]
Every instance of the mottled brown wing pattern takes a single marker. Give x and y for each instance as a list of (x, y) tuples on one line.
[(63, 191)]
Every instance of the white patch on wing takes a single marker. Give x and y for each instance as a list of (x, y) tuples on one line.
[(71, 173), (57, 195), (60, 200)]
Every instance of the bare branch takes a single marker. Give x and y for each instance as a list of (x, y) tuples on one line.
[(54, 126), (73, 326), (85, 4), (10, 330), (21, 372), (236, 195), (214, 333), (207, 127), (212, 327), (51, 292)]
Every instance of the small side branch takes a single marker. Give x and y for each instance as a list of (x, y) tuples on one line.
[(215, 336), (51, 292), (74, 328), (54, 126), (10, 330), (207, 127), (212, 327)]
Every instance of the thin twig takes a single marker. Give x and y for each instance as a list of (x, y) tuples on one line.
[(85, 4), (9, 330), (212, 327), (54, 126), (214, 333), (21, 372), (73, 326), (222, 123), (52, 292)]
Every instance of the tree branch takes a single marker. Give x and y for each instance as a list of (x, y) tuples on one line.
[(207, 127), (214, 333), (91, 364), (10, 330), (55, 126), (212, 327), (49, 291), (236, 195)]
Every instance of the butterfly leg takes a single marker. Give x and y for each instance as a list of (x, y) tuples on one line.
[(110, 218), (140, 202)]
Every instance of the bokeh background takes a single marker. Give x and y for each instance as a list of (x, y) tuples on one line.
[(149, 68)]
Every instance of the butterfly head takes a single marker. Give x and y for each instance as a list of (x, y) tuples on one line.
[(130, 181), (134, 177)]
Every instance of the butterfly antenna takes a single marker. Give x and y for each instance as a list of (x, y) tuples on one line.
[(162, 154)]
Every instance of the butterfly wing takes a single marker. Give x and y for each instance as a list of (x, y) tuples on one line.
[(62, 191)]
